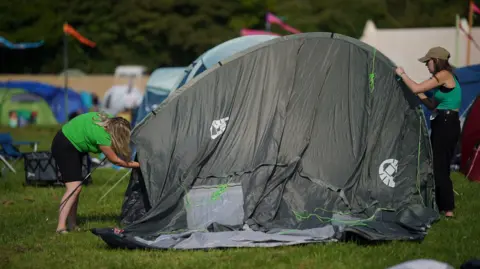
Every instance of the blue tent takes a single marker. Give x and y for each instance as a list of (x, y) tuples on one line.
[(469, 79), (220, 53), (159, 86), (53, 95)]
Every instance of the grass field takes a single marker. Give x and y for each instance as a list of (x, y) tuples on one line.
[(28, 220)]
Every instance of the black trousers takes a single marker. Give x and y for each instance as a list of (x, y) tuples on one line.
[(444, 137)]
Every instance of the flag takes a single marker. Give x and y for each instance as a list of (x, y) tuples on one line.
[(11, 45), (67, 29), (245, 32), (469, 36), (270, 18), (475, 8)]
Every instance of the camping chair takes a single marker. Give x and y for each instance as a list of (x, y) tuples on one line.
[(10, 152)]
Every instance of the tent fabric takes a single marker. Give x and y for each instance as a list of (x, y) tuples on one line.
[(470, 143), (159, 85), (469, 79), (302, 139), (164, 79), (20, 101), (87, 99), (53, 95), (221, 52)]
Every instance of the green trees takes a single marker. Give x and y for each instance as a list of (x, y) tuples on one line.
[(158, 33)]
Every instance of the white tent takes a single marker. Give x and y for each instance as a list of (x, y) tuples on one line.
[(404, 46)]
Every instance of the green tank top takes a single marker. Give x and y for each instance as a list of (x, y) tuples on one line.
[(449, 100)]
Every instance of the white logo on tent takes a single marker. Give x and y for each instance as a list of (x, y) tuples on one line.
[(387, 171), (29, 174), (218, 127)]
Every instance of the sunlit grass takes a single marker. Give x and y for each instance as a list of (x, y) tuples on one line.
[(28, 220)]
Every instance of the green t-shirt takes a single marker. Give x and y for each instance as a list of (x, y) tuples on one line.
[(85, 134)]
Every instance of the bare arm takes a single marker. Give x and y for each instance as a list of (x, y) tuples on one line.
[(438, 80), (113, 158), (429, 103)]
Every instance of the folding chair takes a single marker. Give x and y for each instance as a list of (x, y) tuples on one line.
[(10, 152)]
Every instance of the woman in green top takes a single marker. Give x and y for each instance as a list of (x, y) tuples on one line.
[(90, 132), (445, 123)]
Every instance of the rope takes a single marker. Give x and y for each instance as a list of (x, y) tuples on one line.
[(220, 190), (84, 179), (371, 75), (361, 222), (114, 185)]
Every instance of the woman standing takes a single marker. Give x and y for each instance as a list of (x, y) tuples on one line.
[(90, 132), (445, 123)]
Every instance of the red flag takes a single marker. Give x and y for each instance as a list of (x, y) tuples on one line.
[(276, 20), (67, 29), (245, 32), (469, 36)]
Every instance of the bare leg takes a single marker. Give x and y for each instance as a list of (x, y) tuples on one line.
[(72, 217), (67, 206)]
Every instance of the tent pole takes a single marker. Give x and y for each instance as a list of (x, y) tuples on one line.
[(65, 74), (470, 24), (457, 31)]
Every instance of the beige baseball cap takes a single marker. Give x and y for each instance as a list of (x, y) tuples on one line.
[(435, 52)]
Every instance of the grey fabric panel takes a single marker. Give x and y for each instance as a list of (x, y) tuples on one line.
[(294, 123), (201, 240), (209, 204)]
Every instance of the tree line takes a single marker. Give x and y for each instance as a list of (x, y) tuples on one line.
[(160, 33)]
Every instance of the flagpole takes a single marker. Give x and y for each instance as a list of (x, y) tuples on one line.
[(457, 32), (65, 73), (470, 23)]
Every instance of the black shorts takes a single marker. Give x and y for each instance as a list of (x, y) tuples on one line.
[(68, 158)]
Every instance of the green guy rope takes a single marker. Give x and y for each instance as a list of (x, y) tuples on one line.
[(221, 189), (371, 75)]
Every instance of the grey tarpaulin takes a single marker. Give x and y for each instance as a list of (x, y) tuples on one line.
[(304, 138)]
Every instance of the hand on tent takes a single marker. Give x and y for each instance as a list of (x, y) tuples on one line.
[(133, 164), (400, 71)]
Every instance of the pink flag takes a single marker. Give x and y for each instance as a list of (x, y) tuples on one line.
[(475, 8), (245, 32), (276, 20)]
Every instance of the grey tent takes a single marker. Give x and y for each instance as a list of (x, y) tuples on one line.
[(305, 138)]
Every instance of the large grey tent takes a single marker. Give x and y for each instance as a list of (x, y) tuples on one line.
[(301, 139)]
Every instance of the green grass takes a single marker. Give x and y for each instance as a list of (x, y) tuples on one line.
[(28, 220)]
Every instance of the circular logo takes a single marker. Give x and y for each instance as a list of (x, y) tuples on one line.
[(387, 171)]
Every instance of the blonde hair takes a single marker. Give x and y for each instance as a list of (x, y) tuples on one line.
[(119, 130)]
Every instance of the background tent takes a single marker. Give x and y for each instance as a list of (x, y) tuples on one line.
[(23, 102), (53, 95), (470, 159), (469, 79), (288, 142), (159, 86), (221, 52)]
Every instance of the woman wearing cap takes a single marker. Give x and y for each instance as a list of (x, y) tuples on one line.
[(445, 123)]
